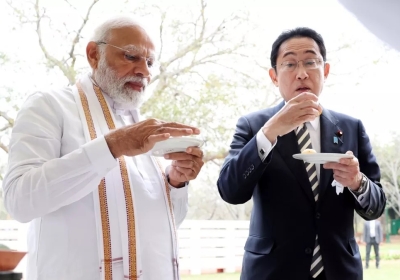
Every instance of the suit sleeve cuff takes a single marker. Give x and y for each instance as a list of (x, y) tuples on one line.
[(100, 156), (363, 198), (264, 146)]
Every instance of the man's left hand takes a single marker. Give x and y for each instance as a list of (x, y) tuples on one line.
[(185, 166), (346, 171)]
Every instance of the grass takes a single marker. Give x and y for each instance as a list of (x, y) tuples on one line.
[(389, 270), (222, 276), (389, 251), (389, 266)]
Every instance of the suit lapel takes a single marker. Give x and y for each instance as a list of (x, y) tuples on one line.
[(329, 128), (287, 146)]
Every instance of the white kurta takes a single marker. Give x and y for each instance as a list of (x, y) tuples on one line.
[(52, 174)]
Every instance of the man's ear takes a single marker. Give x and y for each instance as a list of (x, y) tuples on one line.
[(92, 54), (327, 67), (273, 76)]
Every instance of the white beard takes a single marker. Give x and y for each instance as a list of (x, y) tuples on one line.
[(108, 81)]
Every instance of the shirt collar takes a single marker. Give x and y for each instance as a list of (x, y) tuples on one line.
[(314, 123)]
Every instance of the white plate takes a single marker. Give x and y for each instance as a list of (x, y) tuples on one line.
[(321, 158), (175, 144)]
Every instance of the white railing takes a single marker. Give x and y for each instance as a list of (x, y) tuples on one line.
[(204, 246), (211, 246)]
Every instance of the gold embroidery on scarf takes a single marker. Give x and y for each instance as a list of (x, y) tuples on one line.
[(127, 190), (105, 223)]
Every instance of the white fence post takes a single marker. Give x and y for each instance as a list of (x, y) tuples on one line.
[(230, 266), (195, 249)]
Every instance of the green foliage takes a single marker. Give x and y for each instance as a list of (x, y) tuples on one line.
[(386, 257), (4, 247), (213, 106), (3, 58), (387, 251)]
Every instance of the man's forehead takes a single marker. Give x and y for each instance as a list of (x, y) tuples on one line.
[(133, 38), (139, 49), (298, 46)]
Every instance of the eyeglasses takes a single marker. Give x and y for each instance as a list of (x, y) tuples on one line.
[(133, 56), (308, 64)]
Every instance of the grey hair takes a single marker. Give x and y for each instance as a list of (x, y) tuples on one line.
[(102, 32)]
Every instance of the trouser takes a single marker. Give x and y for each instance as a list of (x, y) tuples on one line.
[(376, 249)]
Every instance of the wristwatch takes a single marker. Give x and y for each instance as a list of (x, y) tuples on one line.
[(363, 185)]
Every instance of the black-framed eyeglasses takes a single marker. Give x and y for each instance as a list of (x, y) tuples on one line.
[(133, 56)]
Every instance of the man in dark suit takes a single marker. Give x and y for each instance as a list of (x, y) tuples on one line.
[(301, 227), (373, 237)]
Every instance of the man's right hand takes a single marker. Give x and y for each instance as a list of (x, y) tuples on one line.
[(141, 137), (300, 109)]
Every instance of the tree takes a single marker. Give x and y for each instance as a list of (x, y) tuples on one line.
[(6, 122), (388, 156), (198, 81), (185, 88)]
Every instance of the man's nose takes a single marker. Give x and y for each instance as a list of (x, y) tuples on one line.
[(141, 69), (301, 71)]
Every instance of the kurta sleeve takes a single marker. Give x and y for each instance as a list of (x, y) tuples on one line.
[(39, 180), (179, 199)]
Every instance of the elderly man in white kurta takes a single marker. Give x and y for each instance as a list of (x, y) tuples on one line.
[(100, 206)]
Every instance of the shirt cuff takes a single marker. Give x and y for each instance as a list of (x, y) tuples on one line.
[(364, 197), (100, 156), (264, 146), (178, 192)]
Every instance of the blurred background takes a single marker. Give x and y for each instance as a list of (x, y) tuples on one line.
[(214, 62)]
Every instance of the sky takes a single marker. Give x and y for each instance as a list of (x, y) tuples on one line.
[(363, 81)]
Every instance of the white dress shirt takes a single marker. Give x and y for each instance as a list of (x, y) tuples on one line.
[(315, 132), (51, 176), (372, 228)]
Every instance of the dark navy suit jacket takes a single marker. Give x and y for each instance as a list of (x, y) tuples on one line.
[(285, 218)]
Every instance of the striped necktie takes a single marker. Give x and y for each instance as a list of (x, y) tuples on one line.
[(304, 141)]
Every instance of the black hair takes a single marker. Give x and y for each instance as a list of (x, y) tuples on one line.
[(299, 32)]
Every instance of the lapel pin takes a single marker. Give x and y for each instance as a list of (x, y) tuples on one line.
[(335, 140), (338, 137)]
